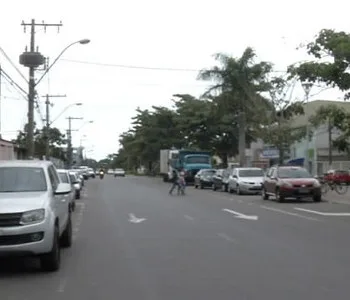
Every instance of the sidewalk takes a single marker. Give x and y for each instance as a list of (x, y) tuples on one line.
[(333, 197)]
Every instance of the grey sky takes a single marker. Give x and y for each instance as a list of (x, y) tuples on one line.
[(154, 33)]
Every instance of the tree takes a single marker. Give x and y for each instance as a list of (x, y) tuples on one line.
[(336, 118), (331, 49), (56, 140), (277, 128), (241, 80)]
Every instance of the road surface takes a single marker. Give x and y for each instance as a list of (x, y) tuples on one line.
[(134, 241)]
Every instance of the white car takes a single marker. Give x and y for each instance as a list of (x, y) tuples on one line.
[(246, 181), (65, 178), (119, 172), (35, 215), (76, 184)]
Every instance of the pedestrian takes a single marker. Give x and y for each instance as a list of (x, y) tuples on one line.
[(182, 183), (175, 181)]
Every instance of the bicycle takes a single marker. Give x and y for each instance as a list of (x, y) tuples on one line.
[(339, 187)]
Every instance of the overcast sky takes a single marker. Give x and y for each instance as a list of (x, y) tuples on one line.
[(154, 33)]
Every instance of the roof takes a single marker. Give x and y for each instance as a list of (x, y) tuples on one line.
[(311, 107), (62, 171), (25, 163)]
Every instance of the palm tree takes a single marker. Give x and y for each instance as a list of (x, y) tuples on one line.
[(244, 81)]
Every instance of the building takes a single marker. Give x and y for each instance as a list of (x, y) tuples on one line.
[(7, 150), (315, 156)]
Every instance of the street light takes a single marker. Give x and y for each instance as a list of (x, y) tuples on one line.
[(82, 42), (88, 122), (65, 109)]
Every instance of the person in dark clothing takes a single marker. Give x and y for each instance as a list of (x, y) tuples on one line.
[(175, 181)]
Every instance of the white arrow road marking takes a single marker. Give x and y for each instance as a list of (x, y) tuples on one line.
[(241, 216), (133, 219), (288, 213), (323, 213)]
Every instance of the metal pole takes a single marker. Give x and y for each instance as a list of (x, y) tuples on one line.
[(307, 88), (0, 100), (47, 130), (31, 96)]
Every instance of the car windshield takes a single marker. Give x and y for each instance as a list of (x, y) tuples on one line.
[(64, 177), (21, 179), (208, 173), (197, 160), (293, 173), (72, 178), (251, 173)]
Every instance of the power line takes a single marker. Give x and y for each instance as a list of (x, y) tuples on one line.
[(13, 64), (141, 67), (11, 81)]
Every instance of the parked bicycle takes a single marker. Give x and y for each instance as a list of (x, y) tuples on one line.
[(339, 187)]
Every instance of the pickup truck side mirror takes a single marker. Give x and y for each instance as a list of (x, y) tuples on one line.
[(234, 176), (273, 178)]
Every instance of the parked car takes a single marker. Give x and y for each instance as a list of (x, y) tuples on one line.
[(91, 173), (246, 181), (284, 182), (204, 178), (119, 172), (217, 179), (80, 176), (337, 176), (76, 184), (35, 217), (65, 178)]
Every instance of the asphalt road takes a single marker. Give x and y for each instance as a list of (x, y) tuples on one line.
[(134, 241)]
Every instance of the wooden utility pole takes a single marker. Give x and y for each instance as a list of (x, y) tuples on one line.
[(48, 123)]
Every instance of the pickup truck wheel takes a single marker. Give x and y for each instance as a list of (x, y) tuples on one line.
[(66, 238), (51, 261), (214, 187)]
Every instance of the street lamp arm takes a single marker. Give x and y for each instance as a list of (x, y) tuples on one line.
[(85, 41), (63, 111)]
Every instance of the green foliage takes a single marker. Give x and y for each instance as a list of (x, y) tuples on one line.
[(56, 139), (331, 49)]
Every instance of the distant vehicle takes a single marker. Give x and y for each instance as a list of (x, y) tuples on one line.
[(284, 182), (119, 172), (246, 181), (190, 161), (91, 173), (65, 178), (36, 219), (204, 178)]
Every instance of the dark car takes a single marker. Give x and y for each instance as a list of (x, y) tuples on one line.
[(220, 179), (204, 178), (284, 182)]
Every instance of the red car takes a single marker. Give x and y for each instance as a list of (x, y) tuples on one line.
[(337, 176), (284, 182)]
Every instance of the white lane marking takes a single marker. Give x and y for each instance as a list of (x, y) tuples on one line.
[(226, 237), (288, 213), (323, 213), (62, 285), (240, 215), (189, 218), (133, 219)]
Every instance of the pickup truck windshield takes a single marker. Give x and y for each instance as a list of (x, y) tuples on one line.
[(22, 179)]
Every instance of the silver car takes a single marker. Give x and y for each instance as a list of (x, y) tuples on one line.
[(35, 217), (76, 184), (246, 181), (65, 178)]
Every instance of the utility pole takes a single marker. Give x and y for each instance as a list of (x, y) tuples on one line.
[(307, 88), (242, 138), (330, 150), (69, 136), (32, 59), (48, 123)]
